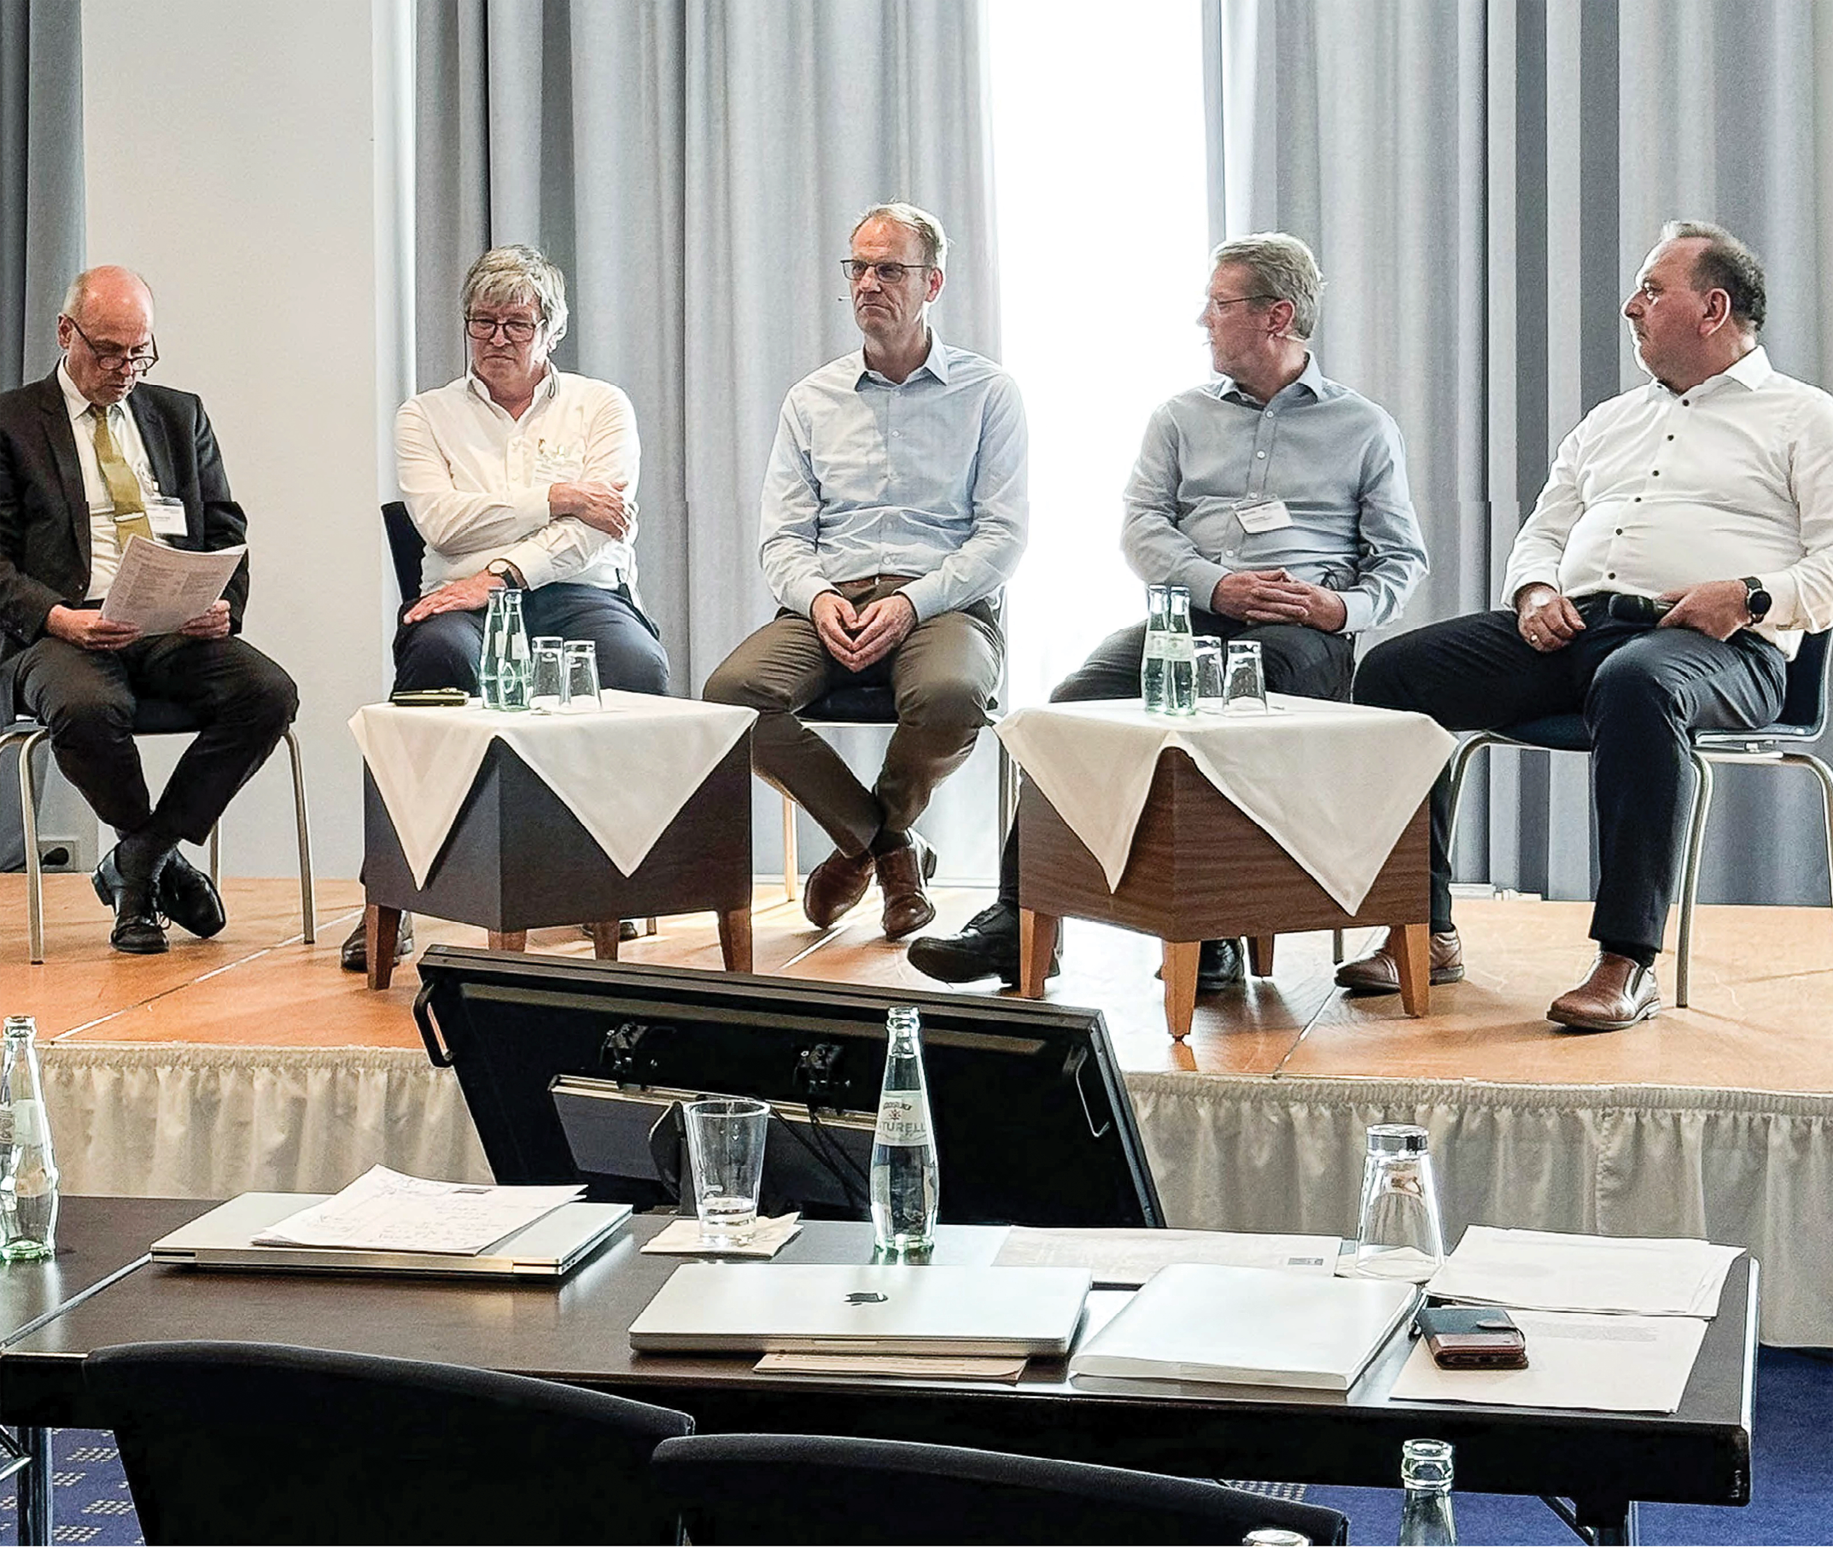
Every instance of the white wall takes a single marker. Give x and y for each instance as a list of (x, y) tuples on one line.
[(254, 175)]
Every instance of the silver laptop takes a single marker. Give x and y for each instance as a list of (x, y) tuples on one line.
[(963, 1311), (548, 1248)]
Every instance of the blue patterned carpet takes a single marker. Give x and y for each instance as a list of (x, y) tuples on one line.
[(93, 1508)]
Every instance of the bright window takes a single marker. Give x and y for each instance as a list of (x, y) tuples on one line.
[(1103, 245)]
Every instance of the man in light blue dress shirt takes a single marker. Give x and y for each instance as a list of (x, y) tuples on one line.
[(894, 513), (1279, 499)]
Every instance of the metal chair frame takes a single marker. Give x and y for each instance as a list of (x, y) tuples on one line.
[(1774, 745), (28, 735)]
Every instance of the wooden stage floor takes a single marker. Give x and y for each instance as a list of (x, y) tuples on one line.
[(1762, 977)]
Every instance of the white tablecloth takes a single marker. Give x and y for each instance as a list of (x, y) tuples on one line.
[(1334, 784), (624, 771)]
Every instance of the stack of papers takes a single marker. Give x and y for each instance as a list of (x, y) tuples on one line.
[(1538, 1270), (386, 1210), (1244, 1326), (1126, 1258)]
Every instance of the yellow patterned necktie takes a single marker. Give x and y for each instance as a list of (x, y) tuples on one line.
[(123, 488)]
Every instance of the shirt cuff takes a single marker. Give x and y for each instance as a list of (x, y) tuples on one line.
[(925, 595), (531, 560), (1784, 599), (1358, 612), (800, 595), (1200, 578)]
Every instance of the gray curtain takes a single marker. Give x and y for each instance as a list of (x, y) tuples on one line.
[(41, 247), (1481, 182), (694, 166)]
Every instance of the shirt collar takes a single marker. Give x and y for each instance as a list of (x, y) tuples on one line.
[(550, 385), (1750, 370), (73, 396), (1311, 378), (935, 363)]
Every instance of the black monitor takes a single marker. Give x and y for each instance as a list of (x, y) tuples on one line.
[(1032, 1119)]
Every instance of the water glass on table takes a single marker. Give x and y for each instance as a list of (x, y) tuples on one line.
[(1244, 680), (1210, 691), (725, 1145), (1399, 1234), (547, 674), (580, 688)]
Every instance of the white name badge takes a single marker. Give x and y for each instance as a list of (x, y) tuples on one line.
[(167, 518), (1263, 516)]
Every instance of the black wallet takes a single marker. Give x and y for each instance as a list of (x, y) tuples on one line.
[(1461, 1337)]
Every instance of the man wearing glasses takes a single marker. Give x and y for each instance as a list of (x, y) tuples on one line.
[(519, 475), (894, 512), (90, 457), (1279, 499)]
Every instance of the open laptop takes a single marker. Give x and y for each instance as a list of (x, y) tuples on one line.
[(548, 1248), (961, 1311)]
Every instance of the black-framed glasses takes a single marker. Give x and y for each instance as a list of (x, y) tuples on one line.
[(140, 361), (518, 331), (1219, 302), (891, 272)]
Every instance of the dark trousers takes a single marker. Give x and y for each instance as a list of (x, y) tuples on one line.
[(1641, 690), (442, 650), (243, 700), (1297, 659)]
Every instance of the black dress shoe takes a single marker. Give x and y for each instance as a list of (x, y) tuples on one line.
[(136, 929), (354, 955), (1219, 965), (987, 945), (189, 897)]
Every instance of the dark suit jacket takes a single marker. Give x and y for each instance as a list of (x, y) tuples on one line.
[(44, 516)]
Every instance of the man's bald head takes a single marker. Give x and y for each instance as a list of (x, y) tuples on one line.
[(105, 326), (107, 287)]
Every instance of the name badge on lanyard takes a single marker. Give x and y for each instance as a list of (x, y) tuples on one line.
[(1263, 516)]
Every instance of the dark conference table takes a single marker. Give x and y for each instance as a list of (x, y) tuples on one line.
[(577, 1332)]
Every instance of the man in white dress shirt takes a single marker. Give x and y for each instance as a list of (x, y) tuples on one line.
[(1706, 495)]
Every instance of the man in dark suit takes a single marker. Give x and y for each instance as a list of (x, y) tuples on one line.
[(89, 457)]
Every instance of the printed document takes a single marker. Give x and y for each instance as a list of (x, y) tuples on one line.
[(1126, 1258), (1536, 1269), (386, 1210), (1592, 1363), (159, 588)]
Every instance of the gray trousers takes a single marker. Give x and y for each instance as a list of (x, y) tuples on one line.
[(942, 676)]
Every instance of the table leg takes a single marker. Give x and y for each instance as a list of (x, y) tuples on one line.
[(1037, 941), (1412, 945), (735, 939), (605, 937), (381, 937), (35, 1506), (1260, 954), (1600, 1523), (512, 942), (1180, 974)]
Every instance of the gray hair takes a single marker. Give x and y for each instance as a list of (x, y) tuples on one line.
[(76, 296), (512, 275), (927, 227), (1283, 268), (1727, 265)]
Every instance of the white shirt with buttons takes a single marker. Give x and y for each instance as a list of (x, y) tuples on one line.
[(1655, 492), (104, 542)]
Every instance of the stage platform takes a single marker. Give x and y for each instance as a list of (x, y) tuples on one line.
[(253, 1062)]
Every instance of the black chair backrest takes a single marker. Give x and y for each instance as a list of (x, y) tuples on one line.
[(243, 1442), (1804, 701), (406, 547), (785, 1489)]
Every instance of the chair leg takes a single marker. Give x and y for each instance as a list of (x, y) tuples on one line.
[(34, 864), (214, 861), (308, 904), (1460, 762), (1008, 791), (1689, 875), (1336, 946), (789, 848)]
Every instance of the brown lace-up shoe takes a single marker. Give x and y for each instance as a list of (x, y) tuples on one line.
[(836, 887), (1618, 992), (1380, 971), (900, 878)]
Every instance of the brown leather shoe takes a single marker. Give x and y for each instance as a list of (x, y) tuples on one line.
[(1617, 993), (836, 887), (900, 879), (1380, 971)]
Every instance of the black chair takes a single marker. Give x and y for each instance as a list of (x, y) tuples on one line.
[(405, 547), (250, 1443), (152, 718), (789, 1489), (1783, 742)]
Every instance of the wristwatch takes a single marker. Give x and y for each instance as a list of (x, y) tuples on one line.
[(1756, 599), (505, 573)]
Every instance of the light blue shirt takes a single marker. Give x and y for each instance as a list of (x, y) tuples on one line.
[(922, 479), (1333, 457)]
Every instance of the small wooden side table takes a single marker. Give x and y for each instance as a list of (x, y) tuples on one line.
[(1200, 868)]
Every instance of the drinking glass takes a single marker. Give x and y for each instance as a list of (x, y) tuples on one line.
[(1210, 695), (1399, 1235), (725, 1145), (580, 690), (547, 674), (1244, 680)]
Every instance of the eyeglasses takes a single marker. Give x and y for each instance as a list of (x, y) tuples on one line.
[(890, 272), (1219, 302), (135, 360), (518, 331)]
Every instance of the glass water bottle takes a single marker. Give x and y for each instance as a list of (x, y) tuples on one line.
[(28, 1186), (1180, 655), (903, 1176), (1425, 1515)]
